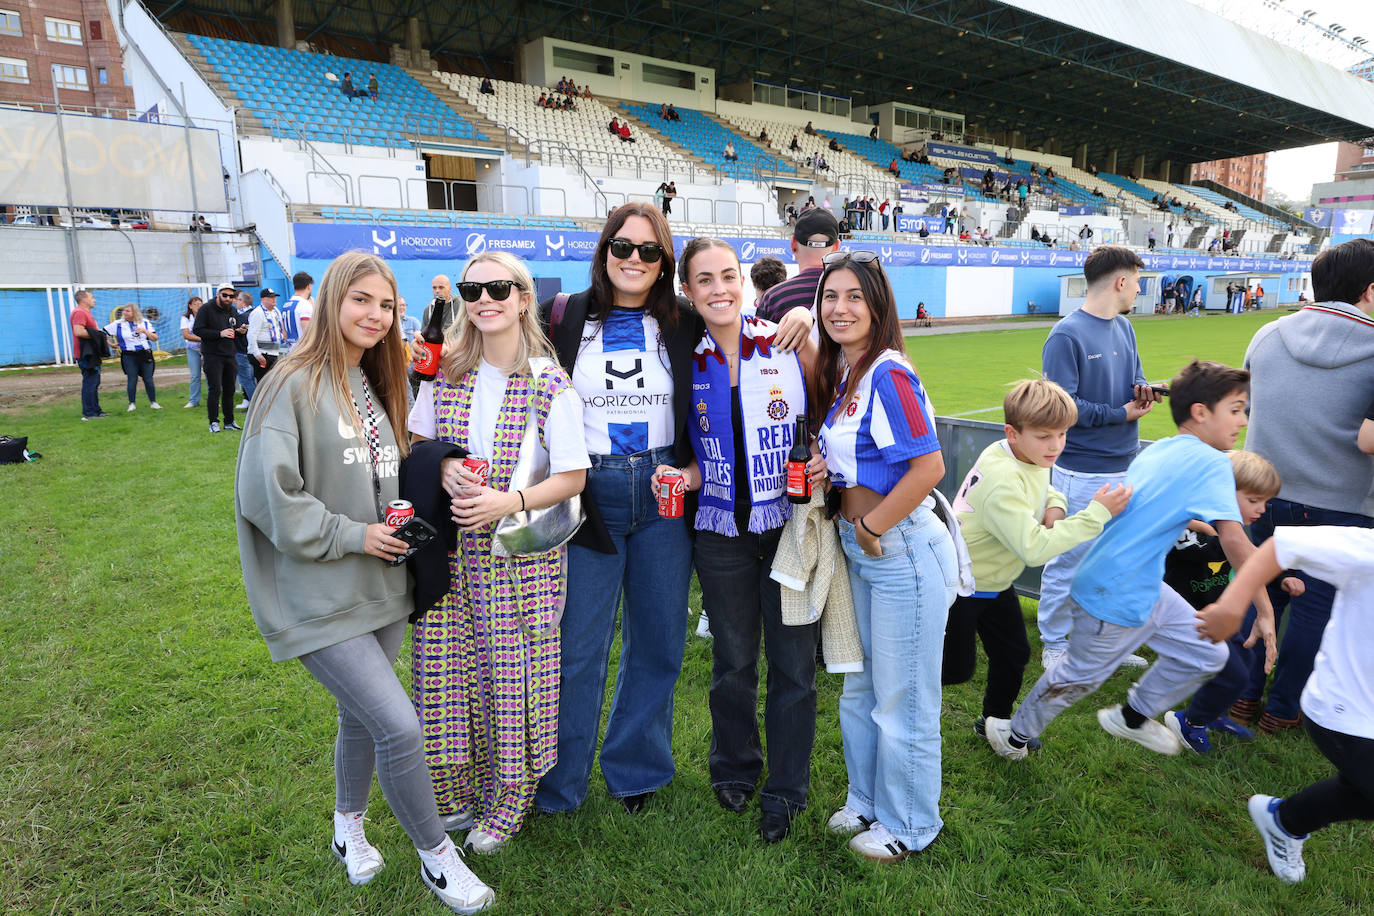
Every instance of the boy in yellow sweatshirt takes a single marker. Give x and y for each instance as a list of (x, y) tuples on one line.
[(1011, 518)]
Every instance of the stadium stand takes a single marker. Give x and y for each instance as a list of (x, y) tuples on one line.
[(403, 217), (706, 138), (1221, 200), (288, 90), (1144, 194), (843, 164)]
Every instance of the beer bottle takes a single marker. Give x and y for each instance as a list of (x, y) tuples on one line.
[(433, 336), (798, 484)]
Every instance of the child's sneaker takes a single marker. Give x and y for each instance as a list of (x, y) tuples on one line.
[(1230, 727), (703, 626), (980, 727), (998, 733), (351, 847), (1150, 734), (453, 883), (847, 822), (1193, 736), (1284, 849)]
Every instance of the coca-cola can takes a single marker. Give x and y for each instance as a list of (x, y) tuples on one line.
[(398, 512), (479, 466), (672, 494)]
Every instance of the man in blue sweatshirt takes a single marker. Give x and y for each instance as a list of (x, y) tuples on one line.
[(1092, 355), (1312, 379)]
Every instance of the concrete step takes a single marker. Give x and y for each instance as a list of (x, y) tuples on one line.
[(619, 107), (249, 121), (495, 133)]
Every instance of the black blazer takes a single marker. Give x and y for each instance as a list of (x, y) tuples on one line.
[(420, 483), (679, 340)]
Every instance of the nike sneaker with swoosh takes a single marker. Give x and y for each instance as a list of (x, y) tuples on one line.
[(444, 872), (351, 847)]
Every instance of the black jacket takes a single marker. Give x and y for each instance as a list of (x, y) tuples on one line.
[(420, 483), (210, 321), (679, 340)]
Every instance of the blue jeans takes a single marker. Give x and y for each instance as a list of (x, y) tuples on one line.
[(1307, 613), (890, 711), (134, 369), (1214, 698), (746, 604), (650, 571), (1054, 613), (90, 385), (245, 372), (193, 363)]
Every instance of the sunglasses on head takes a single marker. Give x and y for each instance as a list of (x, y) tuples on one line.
[(858, 257), (649, 252), (499, 290)]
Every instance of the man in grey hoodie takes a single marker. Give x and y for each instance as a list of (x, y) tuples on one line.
[(1311, 379)]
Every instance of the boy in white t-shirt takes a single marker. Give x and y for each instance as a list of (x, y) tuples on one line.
[(1338, 701)]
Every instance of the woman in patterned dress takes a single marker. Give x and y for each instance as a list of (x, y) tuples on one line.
[(486, 656)]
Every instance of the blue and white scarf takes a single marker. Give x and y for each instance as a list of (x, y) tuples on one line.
[(772, 395)]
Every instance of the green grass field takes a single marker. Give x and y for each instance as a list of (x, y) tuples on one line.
[(155, 761)]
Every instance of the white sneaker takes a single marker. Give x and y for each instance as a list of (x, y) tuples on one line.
[(1135, 661), (1048, 656), (351, 847), (188, 404), (1283, 849), (878, 843), (453, 883), (155, 405), (1150, 734), (703, 626), (482, 843), (847, 822), (461, 819), (243, 405), (998, 733), (132, 407)]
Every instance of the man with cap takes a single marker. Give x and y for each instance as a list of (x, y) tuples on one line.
[(265, 333), (816, 234), (217, 325)]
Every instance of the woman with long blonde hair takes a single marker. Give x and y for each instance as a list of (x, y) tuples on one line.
[(487, 653), (317, 465)]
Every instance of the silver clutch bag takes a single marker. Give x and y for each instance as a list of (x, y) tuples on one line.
[(535, 531)]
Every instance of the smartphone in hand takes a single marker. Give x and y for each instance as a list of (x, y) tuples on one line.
[(418, 533)]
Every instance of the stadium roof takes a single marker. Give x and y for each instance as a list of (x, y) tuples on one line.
[(1162, 78)]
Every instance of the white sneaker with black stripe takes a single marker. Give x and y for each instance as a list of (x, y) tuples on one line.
[(878, 843), (847, 822), (351, 847), (1283, 849), (452, 881)]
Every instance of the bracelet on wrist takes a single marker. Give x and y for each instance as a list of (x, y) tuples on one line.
[(521, 494), (863, 524)]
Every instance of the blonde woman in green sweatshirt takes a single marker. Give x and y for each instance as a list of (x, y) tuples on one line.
[(316, 467)]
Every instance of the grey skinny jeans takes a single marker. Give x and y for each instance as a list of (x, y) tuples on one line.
[(377, 723)]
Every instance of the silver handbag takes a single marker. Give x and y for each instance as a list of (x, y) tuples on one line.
[(535, 531)]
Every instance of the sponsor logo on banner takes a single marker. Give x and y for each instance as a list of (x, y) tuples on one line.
[(1025, 257), (886, 253), (925, 255), (553, 248), (963, 255), (379, 243), (476, 243), (746, 251)]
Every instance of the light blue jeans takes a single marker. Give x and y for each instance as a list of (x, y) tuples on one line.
[(890, 711), (1055, 613), (193, 364)]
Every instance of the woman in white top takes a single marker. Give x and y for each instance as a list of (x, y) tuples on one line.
[(486, 655), (879, 444), (135, 336), (188, 321)]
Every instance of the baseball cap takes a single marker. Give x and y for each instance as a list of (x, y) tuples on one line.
[(268, 293), (226, 285), (817, 222)]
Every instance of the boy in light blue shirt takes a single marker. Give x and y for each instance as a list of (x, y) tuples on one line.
[(1119, 587)]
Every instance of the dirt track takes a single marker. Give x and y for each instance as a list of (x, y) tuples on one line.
[(19, 388)]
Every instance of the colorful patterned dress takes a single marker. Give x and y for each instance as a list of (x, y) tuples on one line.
[(486, 656)]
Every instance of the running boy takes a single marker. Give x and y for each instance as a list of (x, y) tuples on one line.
[(1119, 593), (1198, 570), (1012, 518), (1337, 702)]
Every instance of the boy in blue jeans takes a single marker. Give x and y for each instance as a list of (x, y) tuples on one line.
[(1119, 587), (1198, 570)]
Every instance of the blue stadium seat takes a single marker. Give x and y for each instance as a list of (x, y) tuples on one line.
[(706, 138)]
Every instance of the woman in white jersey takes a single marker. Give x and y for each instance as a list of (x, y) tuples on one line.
[(135, 336), (879, 444), (747, 394), (485, 655), (627, 344)]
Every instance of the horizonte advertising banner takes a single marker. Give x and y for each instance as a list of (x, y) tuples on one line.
[(111, 164), (318, 241)]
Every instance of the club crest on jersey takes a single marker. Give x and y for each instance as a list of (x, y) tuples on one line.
[(702, 422), (853, 407), (777, 406)]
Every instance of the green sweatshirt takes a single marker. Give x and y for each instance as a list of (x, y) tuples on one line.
[(1000, 505), (303, 498)]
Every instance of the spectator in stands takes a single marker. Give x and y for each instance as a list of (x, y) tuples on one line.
[(625, 132), (244, 365), (372, 87), (1008, 158), (135, 336), (486, 89), (1013, 217), (265, 333), (217, 327), (614, 126), (1092, 169), (764, 275), (668, 195), (922, 316), (873, 134), (809, 130), (985, 236), (1214, 244), (192, 349), (951, 215), (1035, 233), (729, 152), (347, 88), (1074, 246), (1169, 235), (948, 175), (587, 91), (763, 135), (964, 235), (1130, 174), (816, 234), (544, 97), (923, 231), (834, 145), (1150, 238), (791, 214), (794, 146), (882, 212), (1086, 233), (822, 163), (663, 110), (809, 205), (1097, 192), (672, 113), (894, 168)]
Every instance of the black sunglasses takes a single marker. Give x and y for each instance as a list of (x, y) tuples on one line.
[(858, 257), (499, 290), (649, 252)]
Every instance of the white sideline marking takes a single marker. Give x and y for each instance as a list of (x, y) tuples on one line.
[(969, 413)]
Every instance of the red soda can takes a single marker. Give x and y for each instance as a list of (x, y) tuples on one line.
[(398, 512), (479, 466), (672, 494)]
